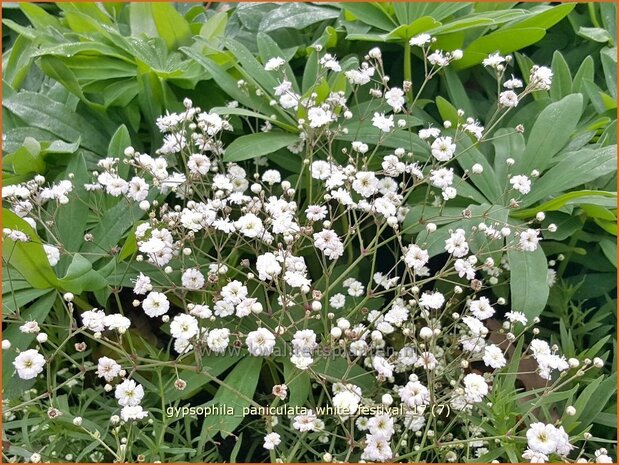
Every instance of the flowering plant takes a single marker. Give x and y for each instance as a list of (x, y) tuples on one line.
[(375, 298)]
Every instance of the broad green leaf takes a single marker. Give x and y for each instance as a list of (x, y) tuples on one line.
[(597, 34), (609, 248), (561, 79), (251, 114), (544, 140), (256, 145), (527, 282), (504, 41), (609, 65), (81, 277), (372, 14), (574, 169), (298, 382), (215, 26), (42, 112), (72, 218), (236, 391), (29, 258), (570, 198), (160, 20), (297, 16)]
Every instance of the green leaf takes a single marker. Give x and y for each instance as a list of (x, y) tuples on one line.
[(29, 258), (570, 198), (251, 114), (298, 382), (609, 248), (119, 142), (574, 169), (297, 16), (504, 41), (256, 145), (236, 391), (215, 26), (562, 78), (160, 20), (372, 14), (81, 277), (597, 34), (544, 140), (73, 217), (42, 112), (529, 290)]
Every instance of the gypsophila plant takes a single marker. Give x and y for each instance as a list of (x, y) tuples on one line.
[(327, 312)]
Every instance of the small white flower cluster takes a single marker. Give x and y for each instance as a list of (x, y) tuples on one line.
[(323, 260)]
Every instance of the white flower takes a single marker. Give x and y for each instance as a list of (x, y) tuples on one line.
[(416, 257), (319, 117), (365, 183), (521, 183), (382, 122), (481, 308), (534, 457), (427, 133), (493, 60), (316, 212), (271, 440), (433, 300), (508, 99), (260, 342), (443, 148), (512, 83), (377, 448), (129, 393), (199, 164), (456, 244), (29, 364), (304, 341), (475, 388), (138, 189), (414, 394), (381, 425), (107, 368), (249, 225), (464, 268), (133, 412), (218, 339), (274, 64), (234, 292), (156, 304), (438, 59), (184, 326), (337, 301), (493, 357), (93, 320), (529, 240), (268, 267), (53, 254), (329, 62), (420, 40), (542, 438), (395, 99), (382, 366), (302, 362), (192, 279), (271, 177), (30, 327), (117, 322), (442, 177), (346, 402), (142, 284), (329, 243), (306, 422), (541, 78), (516, 317)]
